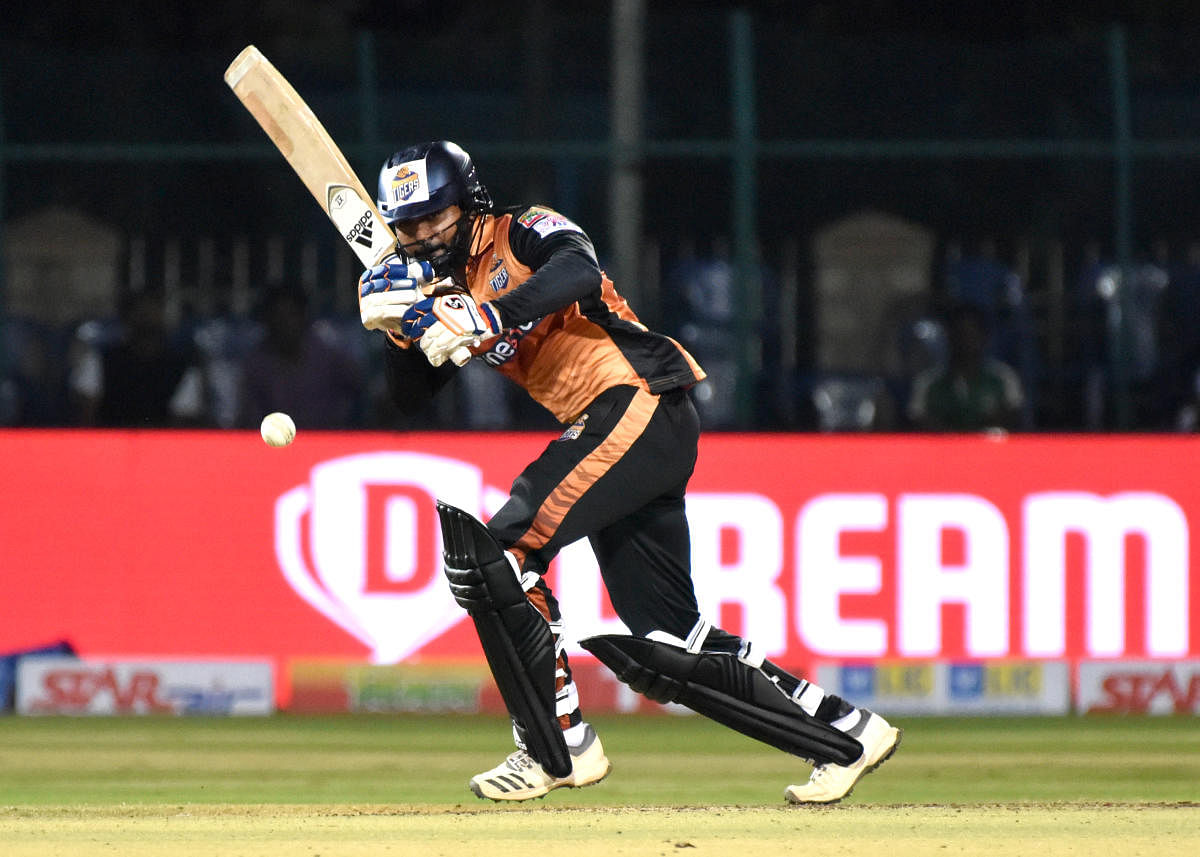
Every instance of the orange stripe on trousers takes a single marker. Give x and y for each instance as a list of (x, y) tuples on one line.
[(587, 472)]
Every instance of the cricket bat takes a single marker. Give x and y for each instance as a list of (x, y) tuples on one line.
[(317, 160), (320, 164)]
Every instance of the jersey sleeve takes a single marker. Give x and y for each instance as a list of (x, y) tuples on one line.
[(412, 382), (563, 262)]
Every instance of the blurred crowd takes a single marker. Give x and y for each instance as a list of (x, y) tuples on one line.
[(976, 353), (136, 369), (978, 350)]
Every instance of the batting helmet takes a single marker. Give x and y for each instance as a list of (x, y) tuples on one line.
[(428, 177)]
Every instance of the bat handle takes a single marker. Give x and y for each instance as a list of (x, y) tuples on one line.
[(422, 272), (461, 356)]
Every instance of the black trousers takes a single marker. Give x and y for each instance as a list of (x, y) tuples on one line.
[(617, 477)]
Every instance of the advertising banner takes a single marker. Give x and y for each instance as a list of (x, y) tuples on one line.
[(60, 685), (820, 548), (442, 687), (339, 686), (949, 688), (1139, 687)]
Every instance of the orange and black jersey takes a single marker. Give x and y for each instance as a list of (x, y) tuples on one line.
[(568, 336)]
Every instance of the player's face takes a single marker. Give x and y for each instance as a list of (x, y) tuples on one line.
[(437, 228)]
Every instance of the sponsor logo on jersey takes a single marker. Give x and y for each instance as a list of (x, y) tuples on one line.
[(498, 275), (575, 430), (504, 347), (546, 221), (405, 183)]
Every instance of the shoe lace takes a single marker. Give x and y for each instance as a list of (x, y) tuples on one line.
[(820, 774), (519, 760)]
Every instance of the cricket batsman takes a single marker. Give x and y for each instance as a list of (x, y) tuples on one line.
[(521, 290)]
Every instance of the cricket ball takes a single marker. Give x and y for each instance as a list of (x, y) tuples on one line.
[(278, 429)]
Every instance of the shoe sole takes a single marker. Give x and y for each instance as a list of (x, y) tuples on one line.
[(597, 781), (890, 752), (478, 792)]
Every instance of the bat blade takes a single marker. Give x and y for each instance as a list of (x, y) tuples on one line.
[(312, 154)]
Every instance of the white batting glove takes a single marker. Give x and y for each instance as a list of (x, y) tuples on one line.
[(386, 292), (448, 326)]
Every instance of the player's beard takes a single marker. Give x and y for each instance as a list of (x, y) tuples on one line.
[(448, 258)]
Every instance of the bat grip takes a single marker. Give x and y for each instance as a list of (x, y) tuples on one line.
[(422, 272)]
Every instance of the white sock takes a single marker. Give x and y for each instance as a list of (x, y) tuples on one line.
[(574, 735)]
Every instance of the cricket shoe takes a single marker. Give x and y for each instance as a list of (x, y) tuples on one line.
[(520, 777), (830, 783)]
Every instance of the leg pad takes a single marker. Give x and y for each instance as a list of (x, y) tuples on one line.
[(724, 688), (516, 638)]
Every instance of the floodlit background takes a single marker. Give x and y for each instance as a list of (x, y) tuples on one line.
[(805, 194), (797, 191)]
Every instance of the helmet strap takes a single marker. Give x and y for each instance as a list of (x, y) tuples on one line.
[(470, 228)]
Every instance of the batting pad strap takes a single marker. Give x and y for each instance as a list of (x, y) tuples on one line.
[(808, 696), (751, 656), (722, 687), (697, 636), (567, 699), (667, 638)]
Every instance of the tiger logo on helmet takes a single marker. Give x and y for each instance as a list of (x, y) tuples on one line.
[(427, 178), (405, 183)]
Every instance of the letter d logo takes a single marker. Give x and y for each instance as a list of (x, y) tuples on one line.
[(361, 544)]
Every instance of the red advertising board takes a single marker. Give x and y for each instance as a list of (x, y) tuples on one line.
[(177, 544), (1139, 687)]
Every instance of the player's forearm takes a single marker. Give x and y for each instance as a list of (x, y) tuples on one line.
[(567, 276)]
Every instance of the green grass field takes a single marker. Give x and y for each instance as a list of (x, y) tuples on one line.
[(396, 785)]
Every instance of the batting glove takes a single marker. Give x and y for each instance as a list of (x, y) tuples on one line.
[(448, 325), (386, 291)]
